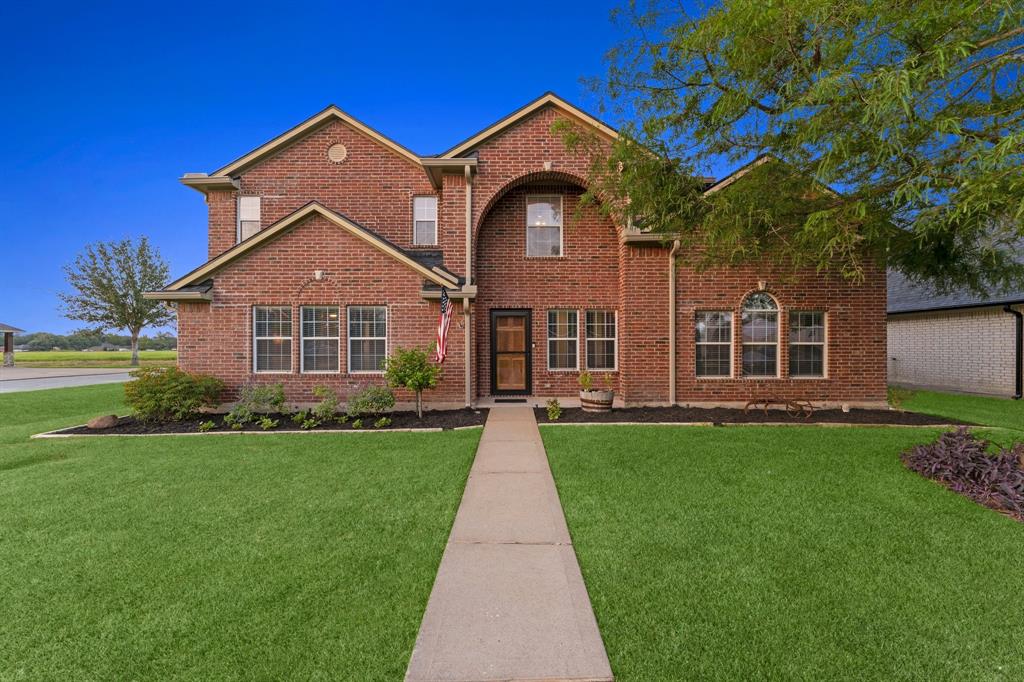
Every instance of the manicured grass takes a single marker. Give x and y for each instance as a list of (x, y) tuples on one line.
[(786, 553), (98, 359), (978, 409), (300, 556)]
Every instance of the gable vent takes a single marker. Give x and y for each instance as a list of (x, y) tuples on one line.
[(337, 153)]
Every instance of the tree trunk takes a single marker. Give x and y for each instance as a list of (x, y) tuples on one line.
[(419, 405), (135, 349)]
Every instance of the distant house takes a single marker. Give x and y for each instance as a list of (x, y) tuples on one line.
[(101, 347), (7, 333), (955, 342)]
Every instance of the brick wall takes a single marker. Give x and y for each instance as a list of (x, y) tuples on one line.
[(217, 338), (961, 350)]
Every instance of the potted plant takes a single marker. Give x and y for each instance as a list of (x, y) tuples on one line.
[(595, 400)]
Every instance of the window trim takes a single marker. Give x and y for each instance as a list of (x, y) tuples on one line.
[(547, 332), (731, 343), (303, 338), (238, 216), (561, 226), (291, 340), (778, 337), (613, 339), (436, 211), (349, 338), (823, 343)]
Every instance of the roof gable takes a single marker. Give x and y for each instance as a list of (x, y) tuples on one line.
[(434, 274), (331, 113), (545, 100)]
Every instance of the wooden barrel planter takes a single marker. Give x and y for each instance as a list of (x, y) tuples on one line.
[(596, 401)]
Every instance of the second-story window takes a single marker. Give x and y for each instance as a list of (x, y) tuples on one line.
[(544, 225), (424, 221), (248, 217)]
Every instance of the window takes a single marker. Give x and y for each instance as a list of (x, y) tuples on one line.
[(367, 338), (760, 336), (714, 344), (321, 330), (424, 221), (806, 344), (563, 339), (544, 226), (248, 217), (601, 339), (272, 338)]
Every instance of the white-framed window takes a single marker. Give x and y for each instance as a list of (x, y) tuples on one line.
[(248, 217), (713, 336), (424, 221), (806, 344), (602, 340), (272, 339), (321, 332), (367, 338), (544, 225), (563, 340), (760, 336)]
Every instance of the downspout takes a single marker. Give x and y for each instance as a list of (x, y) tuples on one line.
[(468, 361), (1019, 376), (672, 322)]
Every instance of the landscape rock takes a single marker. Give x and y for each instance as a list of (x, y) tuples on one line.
[(107, 421)]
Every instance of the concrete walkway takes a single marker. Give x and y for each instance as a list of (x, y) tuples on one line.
[(509, 601), (13, 379)]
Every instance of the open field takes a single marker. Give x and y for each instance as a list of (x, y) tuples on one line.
[(98, 359), (252, 557), (786, 553)]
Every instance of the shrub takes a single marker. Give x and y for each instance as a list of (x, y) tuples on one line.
[(299, 417), (554, 410), (357, 423), (169, 394), (413, 370), (266, 423), (328, 405), (371, 400), (208, 425), (963, 463), (262, 398), (343, 419), (382, 422), (310, 424), (586, 381), (239, 415)]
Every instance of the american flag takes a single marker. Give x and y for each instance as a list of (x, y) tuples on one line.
[(442, 326)]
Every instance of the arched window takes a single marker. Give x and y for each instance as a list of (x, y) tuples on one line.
[(760, 336)]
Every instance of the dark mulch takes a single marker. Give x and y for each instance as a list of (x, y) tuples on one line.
[(722, 415), (434, 419)]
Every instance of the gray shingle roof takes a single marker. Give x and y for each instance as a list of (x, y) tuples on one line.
[(907, 297), (9, 328)]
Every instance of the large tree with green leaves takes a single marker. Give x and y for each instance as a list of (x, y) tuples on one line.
[(108, 281), (910, 110)]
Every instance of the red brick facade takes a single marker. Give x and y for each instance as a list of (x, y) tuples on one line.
[(598, 270)]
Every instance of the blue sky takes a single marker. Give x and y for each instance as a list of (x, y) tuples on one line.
[(105, 105)]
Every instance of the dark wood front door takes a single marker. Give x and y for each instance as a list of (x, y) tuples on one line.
[(510, 352)]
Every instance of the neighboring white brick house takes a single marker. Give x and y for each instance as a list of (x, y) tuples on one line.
[(954, 342)]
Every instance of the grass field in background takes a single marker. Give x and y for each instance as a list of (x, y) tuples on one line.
[(786, 553), (301, 556), (97, 359)]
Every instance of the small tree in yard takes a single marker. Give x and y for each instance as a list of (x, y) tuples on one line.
[(109, 279), (413, 370)]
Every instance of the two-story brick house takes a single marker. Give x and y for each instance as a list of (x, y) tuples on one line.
[(329, 245)]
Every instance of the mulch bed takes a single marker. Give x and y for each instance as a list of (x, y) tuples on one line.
[(434, 419), (723, 415)]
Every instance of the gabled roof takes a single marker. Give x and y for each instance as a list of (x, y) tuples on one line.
[(331, 113), (195, 282), (912, 297), (4, 328), (547, 99)]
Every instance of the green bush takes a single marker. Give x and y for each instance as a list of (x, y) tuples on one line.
[(299, 417), (554, 410), (266, 423), (372, 400), (357, 423), (327, 408), (412, 369), (382, 422), (169, 394), (208, 425), (255, 399)]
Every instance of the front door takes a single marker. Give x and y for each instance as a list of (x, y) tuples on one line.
[(510, 352)]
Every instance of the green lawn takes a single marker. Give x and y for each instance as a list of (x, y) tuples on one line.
[(978, 409), (97, 359), (215, 557), (786, 553)]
